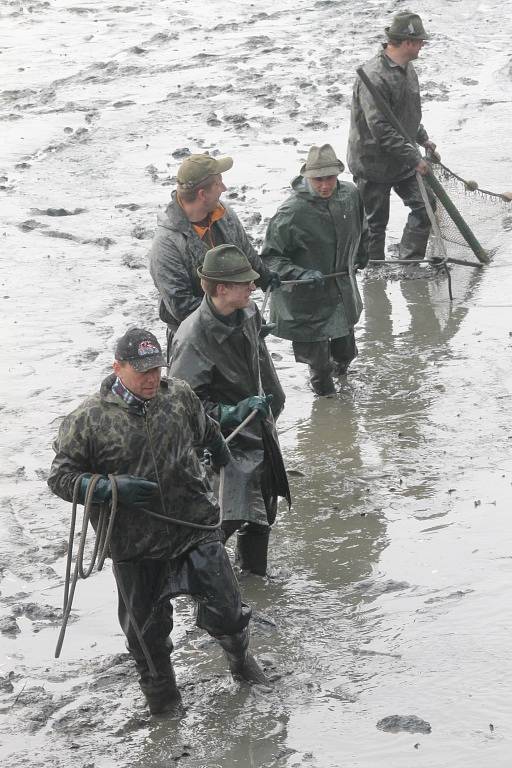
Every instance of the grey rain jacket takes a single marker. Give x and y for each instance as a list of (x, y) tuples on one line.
[(376, 151), (221, 364), (176, 253)]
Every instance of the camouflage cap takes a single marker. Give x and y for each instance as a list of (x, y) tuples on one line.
[(227, 264), (141, 349), (407, 26), (196, 168)]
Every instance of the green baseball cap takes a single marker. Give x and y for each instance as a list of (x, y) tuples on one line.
[(227, 264), (407, 26), (196, 168)]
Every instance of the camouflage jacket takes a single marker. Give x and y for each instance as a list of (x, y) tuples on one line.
[(176, 253), (376, 151), (221, 364), (329, 235), (105, 435)]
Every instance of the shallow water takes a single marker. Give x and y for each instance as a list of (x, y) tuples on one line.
[(390, 575)]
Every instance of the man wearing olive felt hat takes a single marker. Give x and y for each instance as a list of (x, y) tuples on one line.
[(380, 158), (216, 351), (318, 231)]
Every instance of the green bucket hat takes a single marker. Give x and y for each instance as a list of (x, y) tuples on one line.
[(196, 168), (321, 161), (407, 26), (227, 264)]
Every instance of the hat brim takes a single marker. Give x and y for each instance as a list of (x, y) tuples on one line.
[(247, 276), (397, 36), (318, 173), (224, 164), (143, 364)]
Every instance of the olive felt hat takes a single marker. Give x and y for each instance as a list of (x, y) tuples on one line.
[(407, 26), (227, 264), (321, 161), (196, 168)]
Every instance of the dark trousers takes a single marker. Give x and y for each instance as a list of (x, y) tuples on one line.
[(326, 356), (203, 572), (376, 198)]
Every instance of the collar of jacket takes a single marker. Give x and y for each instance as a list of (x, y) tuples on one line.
[(387, 61), (108, 396), (175, 218), (217, 328), (301, 188)]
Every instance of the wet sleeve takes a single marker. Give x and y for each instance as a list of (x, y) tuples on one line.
[(192, 366), (206, 430), (422, 135), (383, 132), (171, 277), (362, 251), (72, 456), (278, 248), (256, 263)]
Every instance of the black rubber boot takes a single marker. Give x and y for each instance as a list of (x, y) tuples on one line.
[(242, 664), (321, 382), (162, 695), (252, 549)]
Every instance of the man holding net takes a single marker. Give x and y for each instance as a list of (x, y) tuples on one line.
[(379, 157)]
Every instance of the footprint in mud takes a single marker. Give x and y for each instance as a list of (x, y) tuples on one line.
[(56, 211), (409, 723)]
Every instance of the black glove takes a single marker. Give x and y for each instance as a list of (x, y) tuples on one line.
[(266, 329), (313, 276), (274, 282), (218, 453), (132, 491)]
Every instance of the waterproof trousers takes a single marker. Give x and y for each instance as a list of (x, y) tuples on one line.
[(203, 572), (325, 358), (251, 546), (376, 196)]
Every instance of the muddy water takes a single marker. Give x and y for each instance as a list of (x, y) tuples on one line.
[(389, 577)]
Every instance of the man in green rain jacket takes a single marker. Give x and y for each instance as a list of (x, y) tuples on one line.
[(318, 231)]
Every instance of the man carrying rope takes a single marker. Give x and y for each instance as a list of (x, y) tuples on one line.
[(216, 350), (142, 434), (379, 157), (318, 231)]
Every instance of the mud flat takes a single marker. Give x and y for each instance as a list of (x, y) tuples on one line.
[(390, 577)]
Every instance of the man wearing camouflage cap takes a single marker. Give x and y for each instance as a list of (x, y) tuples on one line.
[(216, 351), (195, 221), (379, 157), (143, 435)]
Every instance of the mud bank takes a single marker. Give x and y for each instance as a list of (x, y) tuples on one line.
[(389, 579)]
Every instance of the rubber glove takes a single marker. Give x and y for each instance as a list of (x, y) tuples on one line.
[(218, 453), (233, 415), (132, 491), (266, 329), (313, 275), (274, 282)]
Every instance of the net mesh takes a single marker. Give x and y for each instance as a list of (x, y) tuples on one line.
[(478, 207)]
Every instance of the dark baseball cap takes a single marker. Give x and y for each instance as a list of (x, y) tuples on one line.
[(141, 349)]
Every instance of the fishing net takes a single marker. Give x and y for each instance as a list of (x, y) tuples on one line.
[(479, 208)]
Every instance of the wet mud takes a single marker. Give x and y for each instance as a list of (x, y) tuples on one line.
[(389, 578)]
